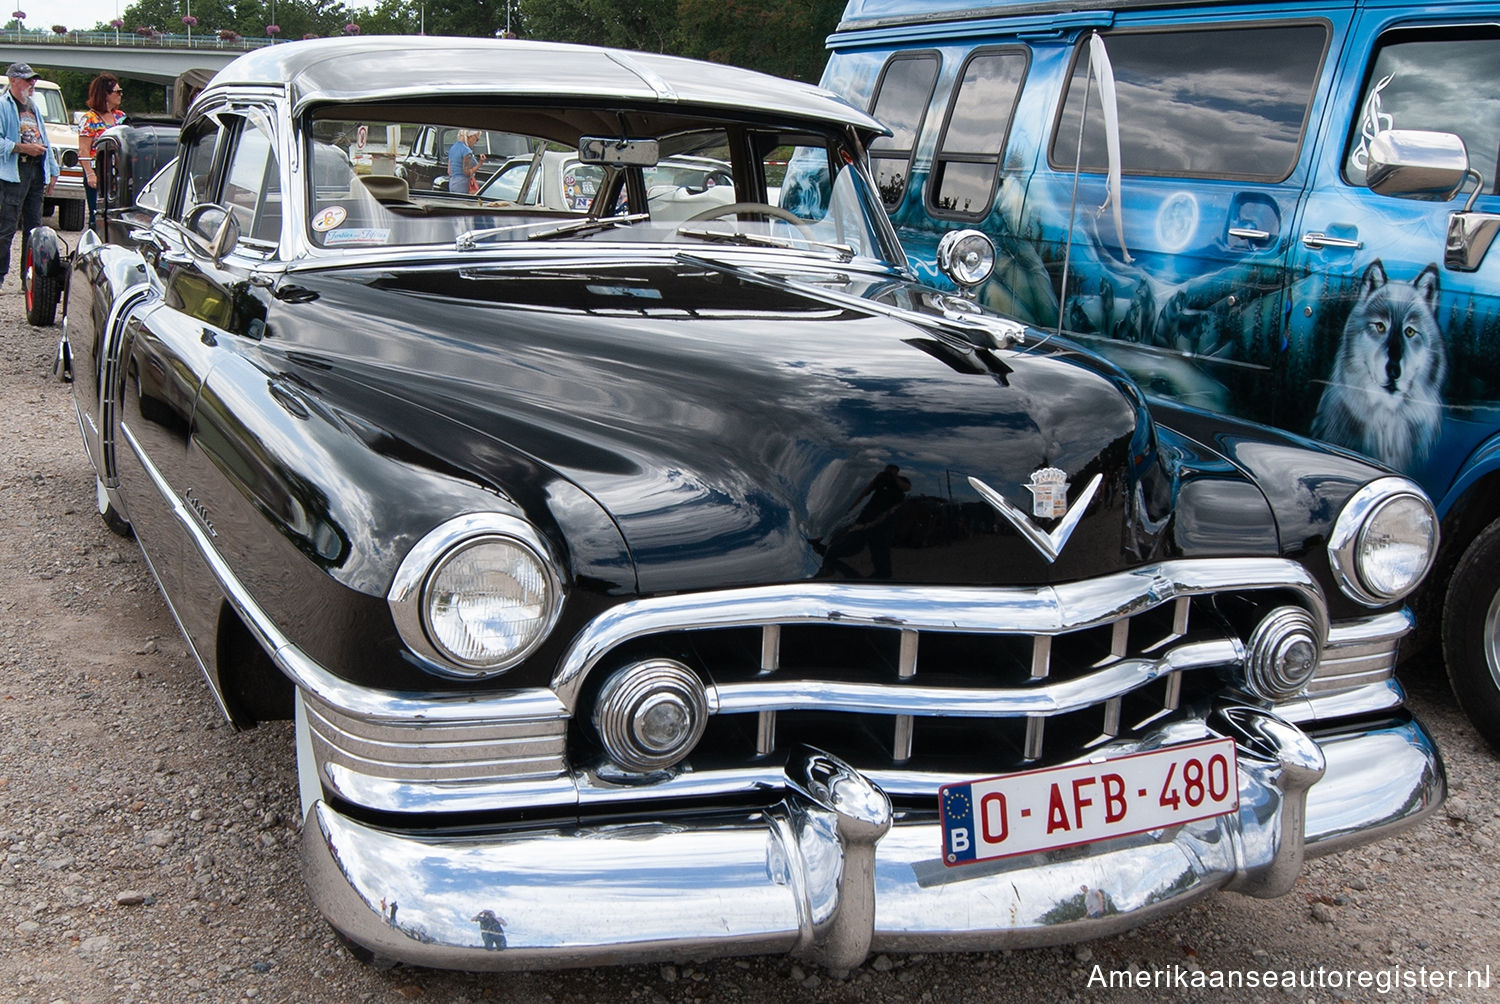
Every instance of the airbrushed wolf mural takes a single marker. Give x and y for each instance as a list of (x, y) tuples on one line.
[(1301, 233)]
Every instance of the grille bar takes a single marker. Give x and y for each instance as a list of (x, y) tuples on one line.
[(971, 702)]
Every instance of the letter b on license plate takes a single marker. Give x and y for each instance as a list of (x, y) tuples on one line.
[(1039, 810)]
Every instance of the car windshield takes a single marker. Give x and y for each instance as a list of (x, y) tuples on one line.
[(645, 177)]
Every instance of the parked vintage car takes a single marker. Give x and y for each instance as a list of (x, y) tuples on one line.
[(648, 590), (425, 164), (676, 187)]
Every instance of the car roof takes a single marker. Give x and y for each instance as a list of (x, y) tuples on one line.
[(403, 67)]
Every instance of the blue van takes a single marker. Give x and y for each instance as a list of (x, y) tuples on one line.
[(1300, 236)]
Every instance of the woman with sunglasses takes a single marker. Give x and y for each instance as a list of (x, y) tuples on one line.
[(105, 95)]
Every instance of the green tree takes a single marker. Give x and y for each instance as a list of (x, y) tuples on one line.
[(648, 25), (772, 36)]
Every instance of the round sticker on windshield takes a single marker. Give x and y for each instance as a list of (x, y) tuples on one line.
[(329, 218)]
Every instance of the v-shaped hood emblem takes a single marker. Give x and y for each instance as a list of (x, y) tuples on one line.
[(1049, 544)]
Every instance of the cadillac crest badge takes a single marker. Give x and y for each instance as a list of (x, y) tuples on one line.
[(1049, 493)]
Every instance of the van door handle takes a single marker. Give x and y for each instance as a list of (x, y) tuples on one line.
[(1249, 234), (1318, 239)]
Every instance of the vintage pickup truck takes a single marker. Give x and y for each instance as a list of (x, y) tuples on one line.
[(656, 588)]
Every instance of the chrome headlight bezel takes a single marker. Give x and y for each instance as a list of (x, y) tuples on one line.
[(1351, 536), (410, 591)]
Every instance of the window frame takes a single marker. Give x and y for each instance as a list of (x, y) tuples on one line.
[(1080, 50), (940, 162), (875, 153), (1397, 34)]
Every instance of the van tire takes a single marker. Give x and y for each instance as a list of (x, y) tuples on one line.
[(1471, 633), (42, 295), (71, 214)]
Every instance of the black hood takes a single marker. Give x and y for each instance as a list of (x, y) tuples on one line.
[(744, 429)]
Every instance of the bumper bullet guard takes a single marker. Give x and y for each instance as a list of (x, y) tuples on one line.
[(831, 874)]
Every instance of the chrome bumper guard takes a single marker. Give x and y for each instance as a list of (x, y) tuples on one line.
[(831, 874)]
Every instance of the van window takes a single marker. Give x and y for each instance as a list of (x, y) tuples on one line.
[(1439, 82), (973, 139), (1211, 103), (900, 100)]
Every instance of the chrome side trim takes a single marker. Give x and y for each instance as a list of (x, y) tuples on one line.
[(1043, 610)]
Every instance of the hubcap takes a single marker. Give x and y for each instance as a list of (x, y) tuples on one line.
[(1490, 640)]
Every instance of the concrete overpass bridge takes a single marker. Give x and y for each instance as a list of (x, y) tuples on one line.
[(159, 58)]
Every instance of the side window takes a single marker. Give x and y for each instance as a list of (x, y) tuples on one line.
[(1205, 103), (252, 188), (972, 144), (901, 98), (1444, 82), (197, 160)]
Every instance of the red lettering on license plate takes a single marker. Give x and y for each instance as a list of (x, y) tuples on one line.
[(1053, 807)]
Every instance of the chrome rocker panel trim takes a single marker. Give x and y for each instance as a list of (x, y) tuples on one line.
[(829, 874)]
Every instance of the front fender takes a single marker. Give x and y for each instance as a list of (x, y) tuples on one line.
[(1480, 466), (49, 255)]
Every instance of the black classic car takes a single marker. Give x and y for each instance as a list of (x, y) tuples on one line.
[(667, 588)]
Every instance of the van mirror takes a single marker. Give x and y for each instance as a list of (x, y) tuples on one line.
[(1416, 164)]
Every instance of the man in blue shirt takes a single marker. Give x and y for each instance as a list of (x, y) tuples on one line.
[(27, 170)]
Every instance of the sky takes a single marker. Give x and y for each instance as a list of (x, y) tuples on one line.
[(87, 13)]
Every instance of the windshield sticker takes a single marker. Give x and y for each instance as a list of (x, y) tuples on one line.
[(329, 218), (357, 235)]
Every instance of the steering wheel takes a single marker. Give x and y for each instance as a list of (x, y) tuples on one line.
[(750, 209)]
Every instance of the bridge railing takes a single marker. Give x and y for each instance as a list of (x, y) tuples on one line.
[(137, 39)]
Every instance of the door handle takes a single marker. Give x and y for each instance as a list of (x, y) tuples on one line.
[(1317, 239), (1249, 234)]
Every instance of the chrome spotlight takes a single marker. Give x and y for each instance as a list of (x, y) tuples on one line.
[(651, 714), (1283, 654)]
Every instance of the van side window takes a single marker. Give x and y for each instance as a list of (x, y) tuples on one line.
[(1209, 103), (974, 133), (901, 98), (1443, 82)]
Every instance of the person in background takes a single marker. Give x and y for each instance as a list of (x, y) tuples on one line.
[(462, 164), (105, 95), (28, 169)]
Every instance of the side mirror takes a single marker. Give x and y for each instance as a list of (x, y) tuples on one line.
[(214, 229), (1415, 164)]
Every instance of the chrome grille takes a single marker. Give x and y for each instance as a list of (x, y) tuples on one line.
[(943, 678)]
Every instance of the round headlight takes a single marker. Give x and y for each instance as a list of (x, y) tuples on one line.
[(651, 714), (966, 256), (1384, 541), (486, 601), (476, 596)]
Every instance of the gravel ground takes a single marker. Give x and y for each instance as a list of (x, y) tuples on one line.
[(148, 851)]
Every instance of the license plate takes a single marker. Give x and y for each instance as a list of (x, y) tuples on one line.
[(1053, 807)]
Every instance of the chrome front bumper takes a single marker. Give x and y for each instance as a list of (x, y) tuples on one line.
[(831, 874)]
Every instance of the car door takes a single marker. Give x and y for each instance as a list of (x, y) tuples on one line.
[(1391, 351), (1214, 118), (163, 357), (171, 349)]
